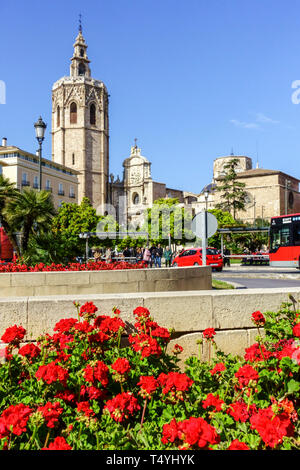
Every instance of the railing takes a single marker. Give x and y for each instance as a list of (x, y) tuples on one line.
[(61, 192)]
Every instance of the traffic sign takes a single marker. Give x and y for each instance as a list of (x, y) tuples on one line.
[(198, 225)]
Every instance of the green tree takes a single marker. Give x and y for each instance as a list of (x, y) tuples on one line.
[(8, 192), (232, 191), (30, 213), (165, 217), (73, 219)]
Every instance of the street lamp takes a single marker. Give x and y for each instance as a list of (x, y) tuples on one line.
[(204, 240), (40, 128)]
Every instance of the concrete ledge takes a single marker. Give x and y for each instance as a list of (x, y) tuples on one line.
[(188, 312), (101, 282)]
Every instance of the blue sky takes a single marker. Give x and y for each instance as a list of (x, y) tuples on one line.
[(191, 80)]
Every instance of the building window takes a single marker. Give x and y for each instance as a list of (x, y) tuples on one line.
[(291, 200), (72, 192), (73, 158), (61, 189), (35, 182), (25, 181), (93, 114), (48, 185), (135, 198), (58, 116), (73, 113), (81, 52), (81, 69)]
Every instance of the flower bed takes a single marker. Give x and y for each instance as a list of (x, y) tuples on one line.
[(81, 388), (90, 266)]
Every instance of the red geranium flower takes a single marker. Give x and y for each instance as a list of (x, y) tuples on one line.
[(84, 407), (220, 367), (59, 443), (296, 330), (97, 373), (258, 318), (29, 350), (122, 406), (13, 334), (121, 366), (192, 433), (237, 445), (209, 333), (148, 385), (14, 420), (213, 401), (51, 413), (272, 428), (245, 374), (51, 373)]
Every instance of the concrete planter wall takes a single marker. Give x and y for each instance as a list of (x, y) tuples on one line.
[(105, 282), (189, 313)]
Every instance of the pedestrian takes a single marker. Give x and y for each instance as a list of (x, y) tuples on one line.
[(97, 255), (126, 253), (147, 256), (139, 255), (153, 255), (158, 256), (108, 255), (168, 256)]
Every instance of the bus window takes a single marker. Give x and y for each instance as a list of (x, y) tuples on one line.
[(280, 236), (296, 234)]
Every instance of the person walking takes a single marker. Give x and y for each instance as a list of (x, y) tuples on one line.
[(226, 253), (158, 256), (168, 256), (108, 255), (153, 255), (147, 256), (138, 255)]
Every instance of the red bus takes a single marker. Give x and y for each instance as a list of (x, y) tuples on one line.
[(285, 241)]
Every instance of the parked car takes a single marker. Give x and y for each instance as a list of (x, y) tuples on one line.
[(193, 257)]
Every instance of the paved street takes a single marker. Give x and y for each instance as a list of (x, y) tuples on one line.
[(259, 276)]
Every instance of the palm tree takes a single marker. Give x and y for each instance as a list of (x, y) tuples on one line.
[(30, 213), (8, 193)]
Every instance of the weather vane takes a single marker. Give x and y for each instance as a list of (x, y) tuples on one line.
[(135, 141), (80, 23)]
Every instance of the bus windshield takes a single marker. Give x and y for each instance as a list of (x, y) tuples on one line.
[(279, 236)]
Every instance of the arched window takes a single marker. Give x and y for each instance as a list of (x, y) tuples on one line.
[(58, 116), (135, 198), (81, 69), (73, 113), (93, 114), (81, 52)]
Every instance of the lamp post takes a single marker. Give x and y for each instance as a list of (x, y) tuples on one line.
[(204, 241), (287, 187), (40, 128)]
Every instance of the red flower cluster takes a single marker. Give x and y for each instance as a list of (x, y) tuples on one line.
[(59, 443), (122, 406), (257, 352), (84, 407), (148, 385), (245, 374), (29, 350), (97, 373), (91, 266), (192, 433), (13, 335), (145, 344), (51, 373), (296, 330), (209, 333), (237, 445), (175, 384), (258, 318), (14, 420), (272, 428), (88, 310), (213, 401), (240, 411), (220, 367), (51, 413)]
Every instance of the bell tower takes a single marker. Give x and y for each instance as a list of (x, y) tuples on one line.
[(80, 126)]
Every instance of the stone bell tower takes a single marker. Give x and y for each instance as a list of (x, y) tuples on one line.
[(80, 126)]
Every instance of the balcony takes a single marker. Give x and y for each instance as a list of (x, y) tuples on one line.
[(72, 195), (61, 192), (25, 183), (48, 189)]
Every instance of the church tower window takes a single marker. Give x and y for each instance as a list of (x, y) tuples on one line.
[(58, 116), (93, 114), (73, 113), (81, 69), (81, 52)]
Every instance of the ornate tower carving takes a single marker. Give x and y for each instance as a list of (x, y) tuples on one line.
[(80, 126)]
